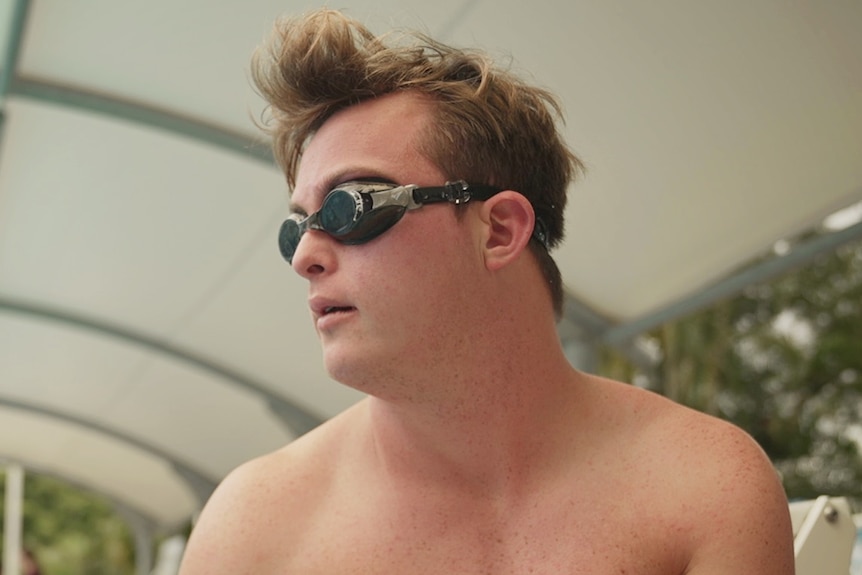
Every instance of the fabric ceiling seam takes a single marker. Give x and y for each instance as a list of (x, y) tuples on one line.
[(198, 482), (297, 419), (734, 284), (245, 145)]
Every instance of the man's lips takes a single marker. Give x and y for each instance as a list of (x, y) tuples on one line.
[(321, 307), (336, 309)]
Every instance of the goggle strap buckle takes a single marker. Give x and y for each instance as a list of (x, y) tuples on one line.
[(457, 192)]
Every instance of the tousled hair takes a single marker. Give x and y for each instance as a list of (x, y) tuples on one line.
[(489, 126)]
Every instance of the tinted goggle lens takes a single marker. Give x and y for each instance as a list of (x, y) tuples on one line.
[(288, 238), (340, 212), (343, 217)]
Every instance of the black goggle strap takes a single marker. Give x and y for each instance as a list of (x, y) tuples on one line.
[(460, 192), (540, 233)]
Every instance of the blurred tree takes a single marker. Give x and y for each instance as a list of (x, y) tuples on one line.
[(72, 532), (782, 360)]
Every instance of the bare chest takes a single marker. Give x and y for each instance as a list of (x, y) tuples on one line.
[(558, 537)]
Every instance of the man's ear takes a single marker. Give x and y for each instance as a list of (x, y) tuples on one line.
[(509, 220)]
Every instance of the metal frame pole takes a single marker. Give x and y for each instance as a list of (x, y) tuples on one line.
[(12, 518)]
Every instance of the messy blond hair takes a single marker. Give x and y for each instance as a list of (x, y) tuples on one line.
[(490, 127)]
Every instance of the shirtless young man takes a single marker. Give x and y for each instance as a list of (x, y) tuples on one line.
[(479, 448)]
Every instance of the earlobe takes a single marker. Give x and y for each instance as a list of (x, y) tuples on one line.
[(509, 218)]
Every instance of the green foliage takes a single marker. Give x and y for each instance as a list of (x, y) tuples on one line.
[(72, 532), (782, 360)]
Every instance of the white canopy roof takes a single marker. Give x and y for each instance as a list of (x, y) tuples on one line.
[(151, 338)]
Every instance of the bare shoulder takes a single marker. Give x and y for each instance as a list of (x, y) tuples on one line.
[(720, 487), (261, 508)]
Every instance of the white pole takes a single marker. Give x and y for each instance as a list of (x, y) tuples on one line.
[(12, 519), (143, 549)]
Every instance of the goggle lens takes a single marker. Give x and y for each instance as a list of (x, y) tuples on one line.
[(342, 216), (288, 238), (338, 215)]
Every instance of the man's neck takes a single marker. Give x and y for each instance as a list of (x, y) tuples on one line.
[(494, 432)]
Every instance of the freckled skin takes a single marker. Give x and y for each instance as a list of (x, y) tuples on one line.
[(479, 449)]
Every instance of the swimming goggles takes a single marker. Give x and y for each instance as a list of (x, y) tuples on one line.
[(358, 212)]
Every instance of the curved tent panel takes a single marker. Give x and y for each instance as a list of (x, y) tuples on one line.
[(140, 481)]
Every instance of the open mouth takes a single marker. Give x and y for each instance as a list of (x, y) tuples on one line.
[(337, 309)]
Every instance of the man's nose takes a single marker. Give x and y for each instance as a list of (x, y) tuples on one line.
[(315, 254)]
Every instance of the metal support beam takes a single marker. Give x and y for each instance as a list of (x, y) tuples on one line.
[(581, 330), (800, 255), (582, 354), (12, 518), (140, 113), (143, 532), (143, 550), (297, 419), (10, 55), (582, 327), (202, 487), (12, 50)]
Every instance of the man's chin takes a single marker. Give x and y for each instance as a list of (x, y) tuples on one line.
[(345, 366), (364, 371)]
